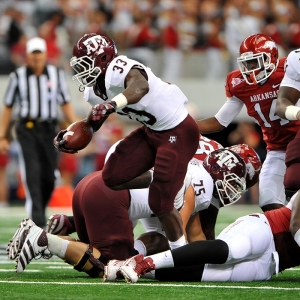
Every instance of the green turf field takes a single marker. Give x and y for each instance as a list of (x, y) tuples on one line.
[(53, 279)]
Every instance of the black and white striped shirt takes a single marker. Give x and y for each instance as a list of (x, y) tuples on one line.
[(38, 97)]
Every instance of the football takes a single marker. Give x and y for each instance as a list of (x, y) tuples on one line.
[(78, 135)]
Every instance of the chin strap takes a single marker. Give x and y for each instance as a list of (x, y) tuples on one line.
[(252, 77), (97, 268)]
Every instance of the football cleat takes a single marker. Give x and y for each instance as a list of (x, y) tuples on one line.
[(16, 243), (136, 266), (112, 270), (34, 245)]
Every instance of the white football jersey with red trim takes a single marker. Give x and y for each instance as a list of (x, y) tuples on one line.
[(206, 146)]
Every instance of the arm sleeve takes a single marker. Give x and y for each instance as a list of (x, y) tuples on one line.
[(229, 111)]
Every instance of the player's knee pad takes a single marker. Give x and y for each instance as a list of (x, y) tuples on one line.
[(161, 198), (239, 247), (271, 196), (217, 272), (97, 265), (159, 202), (165, 165), (291, 178), (245, 271)]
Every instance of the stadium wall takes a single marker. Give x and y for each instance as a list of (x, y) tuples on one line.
[(205, 97)]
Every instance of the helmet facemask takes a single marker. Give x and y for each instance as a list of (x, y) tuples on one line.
[(230, 189), (228, 172), (87, 74), (257, 67)]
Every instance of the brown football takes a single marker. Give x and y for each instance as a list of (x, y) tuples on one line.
[(79, 135)]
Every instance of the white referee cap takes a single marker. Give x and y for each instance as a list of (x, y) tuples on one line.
[(36, 44)]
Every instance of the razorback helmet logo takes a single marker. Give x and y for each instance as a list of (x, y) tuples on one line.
[(269, 45), (252, 161)]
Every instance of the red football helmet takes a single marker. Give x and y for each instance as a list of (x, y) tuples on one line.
[(91, 56), (252, 161), (228, 171), (258, 58)]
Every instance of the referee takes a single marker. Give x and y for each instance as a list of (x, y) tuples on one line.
[(36, 90)]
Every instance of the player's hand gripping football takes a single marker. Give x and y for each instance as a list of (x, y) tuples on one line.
[(59, 224), (59, 143), (103, 110)]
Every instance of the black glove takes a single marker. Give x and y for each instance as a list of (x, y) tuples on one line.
[(59, 143), (103, 110)]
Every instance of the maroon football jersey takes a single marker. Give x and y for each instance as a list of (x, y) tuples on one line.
[(260, 101)]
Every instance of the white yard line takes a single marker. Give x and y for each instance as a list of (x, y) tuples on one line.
[(30, 271), (200, 286)]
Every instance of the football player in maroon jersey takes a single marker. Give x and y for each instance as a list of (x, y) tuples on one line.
[(204, 219), (256, 86), (167, 139)]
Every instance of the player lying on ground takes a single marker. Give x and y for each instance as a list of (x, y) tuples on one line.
[(253, 248), (200, 186), (198, 215), (194, 197), (102, 219)]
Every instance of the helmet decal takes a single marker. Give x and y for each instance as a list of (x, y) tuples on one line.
[(250, 170), (269, 45), (252, 161), (228, 171), (227, 158), (93, 43)]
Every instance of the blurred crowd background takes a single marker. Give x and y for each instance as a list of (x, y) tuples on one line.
[(144, 28), (172, 37)]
